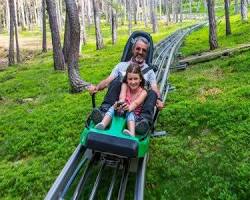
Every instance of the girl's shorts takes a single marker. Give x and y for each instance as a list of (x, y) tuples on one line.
[(130, 116)]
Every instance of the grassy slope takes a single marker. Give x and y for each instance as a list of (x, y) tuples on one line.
[(205, 156), (38, 136), (198, 41)]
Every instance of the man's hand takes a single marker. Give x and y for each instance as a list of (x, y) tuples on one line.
[(92, 89), (159, 104)]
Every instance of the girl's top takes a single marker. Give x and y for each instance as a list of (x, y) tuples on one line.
[(129, 99)]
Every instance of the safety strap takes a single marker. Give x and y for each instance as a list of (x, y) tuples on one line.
[(144, 71)]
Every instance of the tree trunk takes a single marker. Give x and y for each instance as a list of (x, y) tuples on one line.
[(98, 34), (145, 17), (77, 84), (173, 11), (244, 10), (153, 16), (129, 11), (11, 56), (113, 24), (57, 49), (227, 18), (83, 29), (160, 9), (8, 23), (23, 22), (190, 6), (236, 7), (66, 44), (89, 12), (180, 10), (16, 36), (135, 11), (212, 25), (44, 43), (58, 14)]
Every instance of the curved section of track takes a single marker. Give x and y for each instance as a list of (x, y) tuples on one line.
[(85, 167)]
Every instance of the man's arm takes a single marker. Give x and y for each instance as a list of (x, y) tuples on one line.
[(159, 102), (104, 83), (100, 86)]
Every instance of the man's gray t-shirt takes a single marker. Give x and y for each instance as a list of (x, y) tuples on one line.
[(120, 70)]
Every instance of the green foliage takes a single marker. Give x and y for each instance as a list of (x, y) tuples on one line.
[(205, 156), (41, 122)]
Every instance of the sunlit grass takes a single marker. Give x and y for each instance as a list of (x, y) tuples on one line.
[(205, 155)]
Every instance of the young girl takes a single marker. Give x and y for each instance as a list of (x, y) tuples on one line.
[(132, 96)]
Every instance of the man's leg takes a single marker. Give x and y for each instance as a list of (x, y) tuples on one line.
[(110, 98), (147, 114), (112, 94)]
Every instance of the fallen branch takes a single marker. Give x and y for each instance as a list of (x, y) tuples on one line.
[(207, 56)]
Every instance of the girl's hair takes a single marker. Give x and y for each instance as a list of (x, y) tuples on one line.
[(135, 69)]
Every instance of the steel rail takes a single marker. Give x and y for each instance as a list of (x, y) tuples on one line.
[(66, 173), (97, 181), (72, 178), (81, 183), (140, 178), (124, 180), (112, 184)]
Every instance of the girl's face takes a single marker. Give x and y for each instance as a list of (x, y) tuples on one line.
[(133, 81)]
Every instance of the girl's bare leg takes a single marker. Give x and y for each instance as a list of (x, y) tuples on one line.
[(106, 120), (104, 123), (131, 127)]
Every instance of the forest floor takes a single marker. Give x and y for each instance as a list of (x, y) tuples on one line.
[(28, 46)]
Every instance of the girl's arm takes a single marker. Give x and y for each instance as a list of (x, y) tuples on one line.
[(123, 92), (139, 100)]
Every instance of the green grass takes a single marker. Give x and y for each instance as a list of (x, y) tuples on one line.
[(197, 42), (205, 156), (40, 120)]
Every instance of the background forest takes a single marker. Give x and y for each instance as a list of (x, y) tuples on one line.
[(50, 50)]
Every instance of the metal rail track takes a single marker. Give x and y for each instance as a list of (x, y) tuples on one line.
[(80, 166)]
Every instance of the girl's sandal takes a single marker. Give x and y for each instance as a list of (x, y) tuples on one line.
[(127, 132), (100, 126)]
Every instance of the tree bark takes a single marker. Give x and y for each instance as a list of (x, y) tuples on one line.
[(236, 7), (44, 43), (227, 18), (16, 37), (98, 34), (7, 15), (89, 12), (153, 16), (212, 25), (113, 24), (180, 10), (83, 29), (11, 56), (174, 11), (145, 17), (244, 10), (129, 11), (57, 49), (77, 84), (66, 44), (135, 11)]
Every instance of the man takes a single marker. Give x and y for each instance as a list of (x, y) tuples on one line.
[(139, 53)]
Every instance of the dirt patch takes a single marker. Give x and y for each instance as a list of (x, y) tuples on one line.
[(208, 92), (29, 47), (3, 58)]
